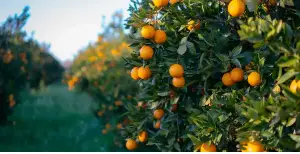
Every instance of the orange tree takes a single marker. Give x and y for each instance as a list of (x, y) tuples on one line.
[(22, 61), (99, 70), (215, 75)]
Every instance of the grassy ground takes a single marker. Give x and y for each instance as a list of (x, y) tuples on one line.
[(55, 120)]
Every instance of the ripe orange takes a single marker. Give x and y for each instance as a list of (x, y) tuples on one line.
[(295, 86), (158, 114), (176, 70), (12, 103), (192, 25), (160, 3), (236, 8), (100, 113), (104, 131), (254, 79), (160, 37), (144, 73), (254, 146), (143, 136), (118, 103), (131, 144), (110, 107), (227, 81), (148, 32), (157, 125), (173, 1), (205, 147), (107, 126), (134, 73), (146, 52), (237, 75), (178, 82), (119, 126), (272, 2)]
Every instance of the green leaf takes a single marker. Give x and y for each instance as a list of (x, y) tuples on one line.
[(163, 93), (191, 47), (287, 61), (236, 51), (286, 76), (295, 137), (223, 57), (237, 63), (201, 60), (291, 121), (194, 139), (183, 41), (287, 93), (182, 49)]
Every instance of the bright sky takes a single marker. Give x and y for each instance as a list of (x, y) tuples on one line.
[(68, 25)]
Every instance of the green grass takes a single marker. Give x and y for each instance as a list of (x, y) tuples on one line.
[(55, 119)]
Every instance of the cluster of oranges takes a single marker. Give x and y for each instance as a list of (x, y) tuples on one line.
[(72, 82), (177, 71), (143, 135), (132, 144), (147, 52), (237, 75)]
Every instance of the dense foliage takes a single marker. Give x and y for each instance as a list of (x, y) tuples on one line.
[(23, 61), (215, 75)]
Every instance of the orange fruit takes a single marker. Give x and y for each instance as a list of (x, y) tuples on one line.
[(134, 73), (158, 114), (192, 25), (118, 103), (143, 136), (148, 32), (227, 81), (272, 2), (178, 82), (237, 75), (119, 126), (236, 8), (104, 131), (254, 146), (157, 125), (100, 113), (146, 52), (129, 97), (160, 3), (176, 70), (173, 1), (160, 37), (254, 79), (144, 73), (295, 86), (12, 103), (110, 107), (107, 126), (11, 97), (205, 147), (131, 144)]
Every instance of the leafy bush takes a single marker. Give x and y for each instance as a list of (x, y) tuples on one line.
[(240, 87)]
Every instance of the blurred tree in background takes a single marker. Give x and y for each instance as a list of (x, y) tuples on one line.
[(23, 61)]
